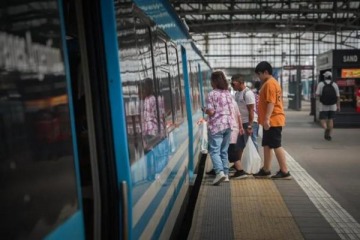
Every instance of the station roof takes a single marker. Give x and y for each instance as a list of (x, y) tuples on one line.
[(234, 33), (276, 16)]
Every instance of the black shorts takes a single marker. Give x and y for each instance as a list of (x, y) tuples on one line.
[(233, 153), (326, 115), (272, 137)]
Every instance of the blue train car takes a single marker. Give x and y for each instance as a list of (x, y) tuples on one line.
[(99, 101)]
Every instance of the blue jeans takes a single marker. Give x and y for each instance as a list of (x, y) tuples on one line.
[(218, 150)]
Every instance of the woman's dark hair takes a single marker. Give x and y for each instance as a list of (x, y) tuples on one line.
[(148, 88), (262, 67), (219, 80)]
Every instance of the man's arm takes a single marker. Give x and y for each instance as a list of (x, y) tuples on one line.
[(338, 97), (338, 104), (269, 110), (250, 108)]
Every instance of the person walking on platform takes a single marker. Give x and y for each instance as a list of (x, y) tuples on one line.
[(272, 118), (219, 109), (328, 91), (245, 98)]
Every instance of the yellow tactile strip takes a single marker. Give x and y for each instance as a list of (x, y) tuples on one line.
[(259, 212)]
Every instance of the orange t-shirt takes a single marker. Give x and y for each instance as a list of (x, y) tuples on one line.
[(270, 92)]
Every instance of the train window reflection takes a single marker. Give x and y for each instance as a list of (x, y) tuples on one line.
[(175, 83), (165, 99), (38, 184), (194, 82), (130, 65), (151, 83), (152, 127)]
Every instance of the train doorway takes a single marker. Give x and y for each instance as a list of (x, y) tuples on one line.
[(86, 51)]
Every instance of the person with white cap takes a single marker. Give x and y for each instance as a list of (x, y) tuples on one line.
[(329, 96)]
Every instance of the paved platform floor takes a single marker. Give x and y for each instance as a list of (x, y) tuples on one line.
[(316, 204), (257, 209)]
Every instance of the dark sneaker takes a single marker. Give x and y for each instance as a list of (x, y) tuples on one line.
[(232, 169), (327, 135), (262, 174), (281, 175), (211, 172), (239, 175)]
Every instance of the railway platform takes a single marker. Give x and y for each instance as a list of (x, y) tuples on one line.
[(320, 202)]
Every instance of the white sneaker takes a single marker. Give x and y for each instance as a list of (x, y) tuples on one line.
[(219, 178), (226, 178)]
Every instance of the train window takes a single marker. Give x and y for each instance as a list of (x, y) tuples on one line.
[(194, 83), (206, 84), (153, 128), (131, 83), (175, 81), (182, 86), (152, 104), (38, 184), (160, 54), (165, 99), (143, 41), (164, 83)]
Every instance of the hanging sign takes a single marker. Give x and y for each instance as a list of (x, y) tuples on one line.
[(350, 73)]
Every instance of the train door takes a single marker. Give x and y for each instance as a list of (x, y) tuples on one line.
[(113, 15), (39, 169), (97, 117), (57, 167)]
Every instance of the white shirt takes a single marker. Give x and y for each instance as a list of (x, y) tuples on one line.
[(319, 91), (249, 99)]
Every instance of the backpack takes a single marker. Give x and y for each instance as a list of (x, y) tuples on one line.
[(328, 94)]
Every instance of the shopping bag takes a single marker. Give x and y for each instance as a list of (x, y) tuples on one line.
[(250, 159), (203, 137)]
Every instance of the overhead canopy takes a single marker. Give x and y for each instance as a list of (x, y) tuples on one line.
[(235, 33), (203, 16)]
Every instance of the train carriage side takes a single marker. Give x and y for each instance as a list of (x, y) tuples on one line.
[(154, 77), (103, 105), (196, 69), (162, 106)]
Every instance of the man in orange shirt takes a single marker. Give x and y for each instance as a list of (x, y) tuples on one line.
[(271, 115)]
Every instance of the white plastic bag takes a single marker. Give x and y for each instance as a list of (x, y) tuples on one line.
[(250, 159), (203, 137)]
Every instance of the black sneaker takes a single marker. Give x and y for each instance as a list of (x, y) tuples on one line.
[(327, 135), (232, 169), (211, 172), (239, 175), (281, 175), (262, 174)]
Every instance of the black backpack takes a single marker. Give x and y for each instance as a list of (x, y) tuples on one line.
[(328, 94)]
